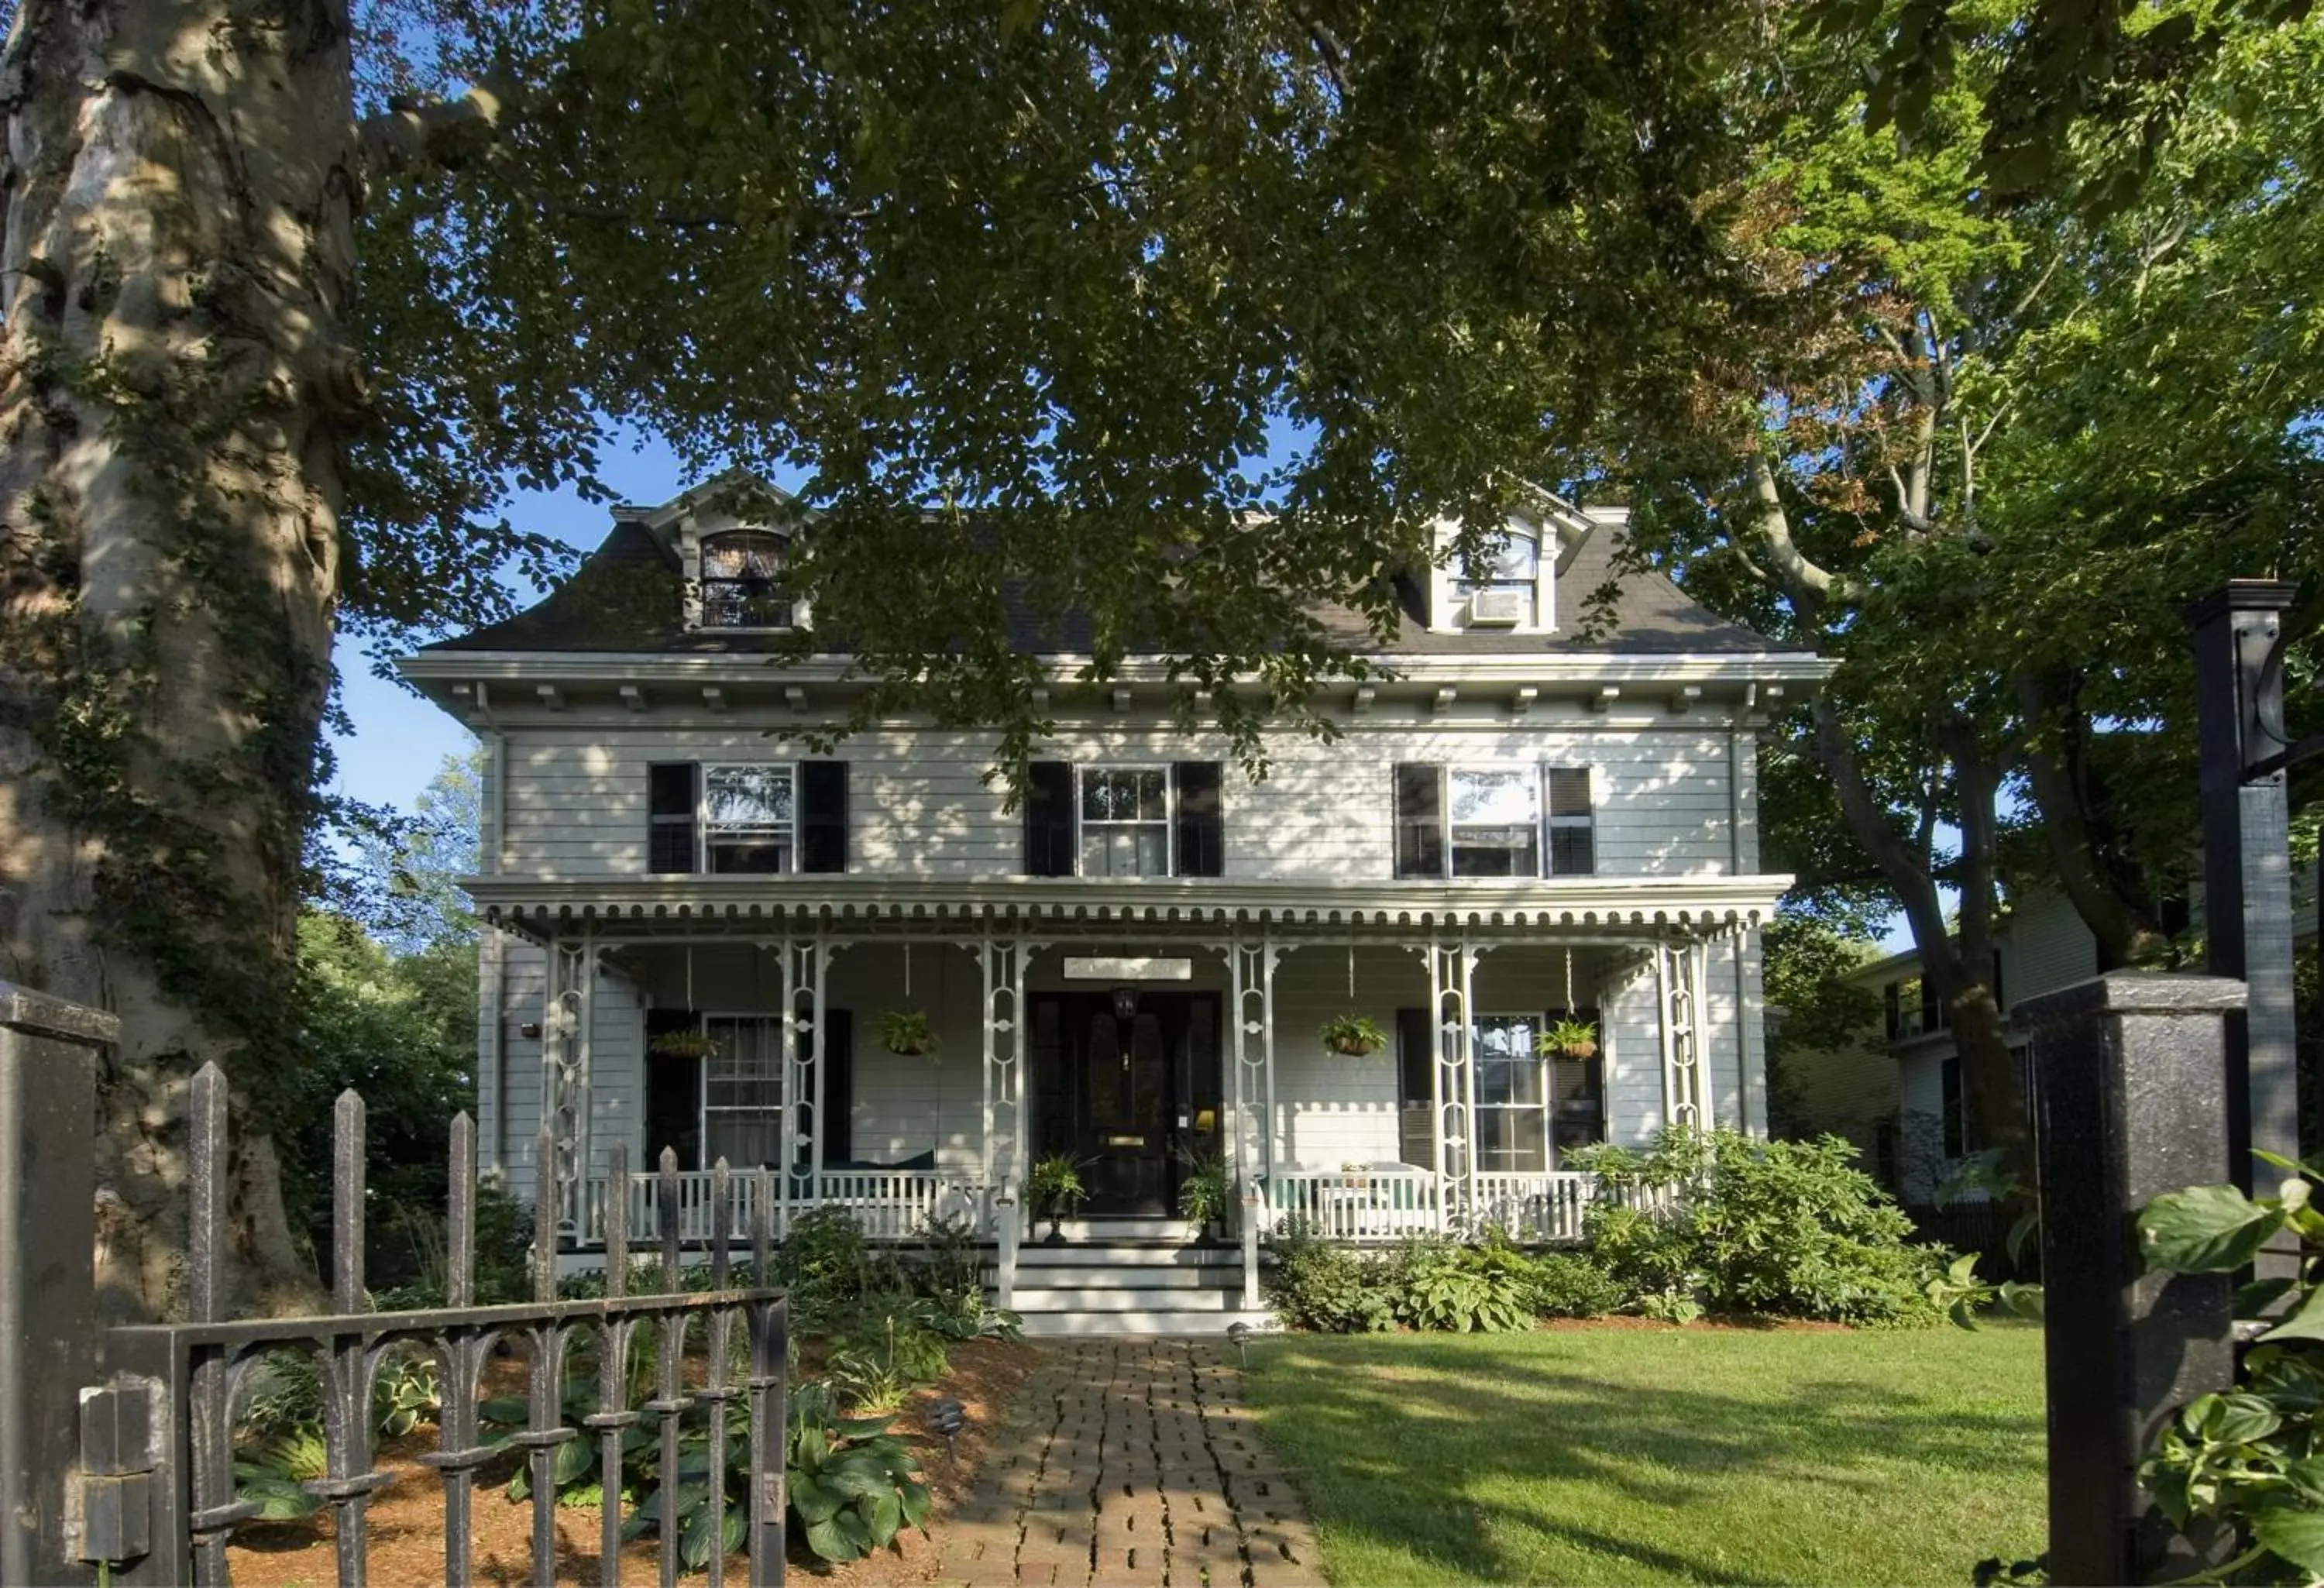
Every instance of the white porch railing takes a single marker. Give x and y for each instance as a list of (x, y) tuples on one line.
[(889, 1204), (1387, 1205)]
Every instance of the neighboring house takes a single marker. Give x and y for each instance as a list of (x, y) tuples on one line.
[(1896, 1093), (700, 926)]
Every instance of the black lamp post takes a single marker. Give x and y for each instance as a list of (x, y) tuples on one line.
[(947, 1417)]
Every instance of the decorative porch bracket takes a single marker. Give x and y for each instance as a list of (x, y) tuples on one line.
[(1004, 963), (567, 1012), (1453, 1080), (805, 965)]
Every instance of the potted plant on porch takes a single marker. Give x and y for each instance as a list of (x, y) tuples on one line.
[(1055, 1188), (1354, 1035), (1569, 1039), (683, 1045), (1206, 1194), (906, 1031)]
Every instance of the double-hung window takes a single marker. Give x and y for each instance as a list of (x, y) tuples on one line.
[(1493, 821), (746, 817), (1504, 587), (1532, 1109), (742, 1093), (1125, 820)]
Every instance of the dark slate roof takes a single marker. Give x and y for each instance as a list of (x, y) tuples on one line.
[(626, 596)]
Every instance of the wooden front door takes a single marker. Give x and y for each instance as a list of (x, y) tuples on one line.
[(1131, 1098)]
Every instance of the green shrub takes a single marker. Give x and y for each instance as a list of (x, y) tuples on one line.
[(1314, 1285), (1567, 1285), (1786, 1228), (1464, 1289)]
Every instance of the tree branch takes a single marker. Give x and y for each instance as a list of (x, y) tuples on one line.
[(1808, 586), (448, 133)]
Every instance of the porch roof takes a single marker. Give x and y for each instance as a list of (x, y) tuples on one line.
[(888, 905)]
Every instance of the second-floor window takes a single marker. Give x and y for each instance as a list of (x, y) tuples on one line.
[(1125, 820), (746, 817), (1493, 821)]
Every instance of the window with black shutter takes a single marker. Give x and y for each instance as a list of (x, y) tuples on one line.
[(823, 816), (1201, 817), (1956, 1121), (1572, 846), (1893, 996), (1419, 820), (1049, 820), (671, 803)]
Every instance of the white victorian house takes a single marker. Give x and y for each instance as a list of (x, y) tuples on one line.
[(699, 929)]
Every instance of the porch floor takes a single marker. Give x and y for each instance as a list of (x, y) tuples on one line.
[(1131, 1461)]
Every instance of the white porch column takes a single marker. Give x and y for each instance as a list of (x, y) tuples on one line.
[(1004, 963), (1681, 981), (800, 1064), (565, 1032), (1453, 1079), (1251, 976)]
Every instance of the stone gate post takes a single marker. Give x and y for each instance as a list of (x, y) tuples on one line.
[(48, 1291), (2131, 1101)]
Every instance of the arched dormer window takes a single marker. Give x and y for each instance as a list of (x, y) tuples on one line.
[(742, 581)]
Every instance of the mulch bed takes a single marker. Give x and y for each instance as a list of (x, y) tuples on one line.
[(407, 1519)]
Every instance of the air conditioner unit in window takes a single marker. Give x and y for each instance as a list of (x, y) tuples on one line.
[(1500, 607)]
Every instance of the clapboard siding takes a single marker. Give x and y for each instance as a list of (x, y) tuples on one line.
[(919, 803), (2046, 947)]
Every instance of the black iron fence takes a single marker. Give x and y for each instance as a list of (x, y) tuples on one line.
[(144, 1485)]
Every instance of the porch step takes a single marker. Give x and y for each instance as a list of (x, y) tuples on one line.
[(1112, 1229), (1206, 1326), (1119, 1255), (1099, 1298), (1126, 1284)]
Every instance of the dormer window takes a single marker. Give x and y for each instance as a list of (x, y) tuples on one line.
[(742, 581), (1502, 589)]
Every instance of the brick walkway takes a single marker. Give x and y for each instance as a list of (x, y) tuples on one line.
[(1130, 1462)]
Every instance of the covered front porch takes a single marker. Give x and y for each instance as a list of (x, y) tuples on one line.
[(1138, 1029)]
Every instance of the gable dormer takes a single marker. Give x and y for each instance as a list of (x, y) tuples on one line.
[(734, 539), (1511, 588)]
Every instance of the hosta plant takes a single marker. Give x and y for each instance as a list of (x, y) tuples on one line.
[(2250, 1461)]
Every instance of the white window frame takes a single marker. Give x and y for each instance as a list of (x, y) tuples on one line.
[(1169, 812), (1543, 1111), (702, 826), (1448, 612), (1465, 585), (1526, 772), (771, 1022)]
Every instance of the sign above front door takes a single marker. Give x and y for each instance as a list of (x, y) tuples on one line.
[(1129, 968)]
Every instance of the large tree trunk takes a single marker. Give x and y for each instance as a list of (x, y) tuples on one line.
[(177, 256), (1958, 966)]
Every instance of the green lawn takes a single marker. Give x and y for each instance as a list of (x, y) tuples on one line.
[(1625, 1456)]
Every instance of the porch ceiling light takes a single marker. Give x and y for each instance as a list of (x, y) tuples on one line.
[(1125, 1002)]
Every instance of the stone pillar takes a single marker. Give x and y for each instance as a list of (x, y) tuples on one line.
[(2131, 1097), (48, 1280)]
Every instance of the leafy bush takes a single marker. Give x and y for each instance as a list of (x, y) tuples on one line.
[(1789, 1228), (876, 1367), (1567, 1285), (853, 1483), (1314, 1285), (2248, 1460), (1464, 1289)]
